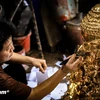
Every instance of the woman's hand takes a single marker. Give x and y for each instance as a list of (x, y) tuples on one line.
[(72, 64), (39, 63)]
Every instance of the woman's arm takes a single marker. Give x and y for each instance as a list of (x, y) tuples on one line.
[(39, 63), (17, 58), (48, 85)]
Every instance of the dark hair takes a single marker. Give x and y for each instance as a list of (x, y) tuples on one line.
[(7, 29)]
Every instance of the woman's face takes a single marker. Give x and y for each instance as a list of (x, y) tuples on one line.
[(7, 51)]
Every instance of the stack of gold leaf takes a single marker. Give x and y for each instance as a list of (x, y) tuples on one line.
[(85, 82), (91, 24)]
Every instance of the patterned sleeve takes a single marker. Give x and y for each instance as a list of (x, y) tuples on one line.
[(15, 90)]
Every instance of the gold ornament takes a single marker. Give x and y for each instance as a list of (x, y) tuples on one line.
[(85, 82), (91, 24)]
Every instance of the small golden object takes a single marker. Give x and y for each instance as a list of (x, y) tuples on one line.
[(90, 25)]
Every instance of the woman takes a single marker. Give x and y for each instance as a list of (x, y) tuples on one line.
[(19, 90)]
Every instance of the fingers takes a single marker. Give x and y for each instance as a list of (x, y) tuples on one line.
[(69, 57), (76, 63), (73, 63), (41, 69), (43, 66), (72, 59)]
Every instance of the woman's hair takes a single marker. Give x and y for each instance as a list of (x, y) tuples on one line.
[(7, 30)]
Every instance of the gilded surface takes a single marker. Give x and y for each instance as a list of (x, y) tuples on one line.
[(91, 24), (85, 82)]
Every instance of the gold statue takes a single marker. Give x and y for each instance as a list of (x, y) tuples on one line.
[(91, 24), (85, 82)]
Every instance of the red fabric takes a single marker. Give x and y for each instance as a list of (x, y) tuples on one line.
[(17, 90)]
